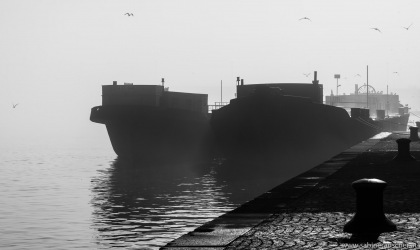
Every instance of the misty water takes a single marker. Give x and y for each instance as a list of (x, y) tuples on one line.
[(64, 197), (67, 198)]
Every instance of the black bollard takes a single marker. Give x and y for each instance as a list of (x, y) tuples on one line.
[(414, 134), (404, 150), (369, 221)]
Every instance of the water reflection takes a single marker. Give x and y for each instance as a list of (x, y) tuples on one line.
[(144, 205), (139, 204)]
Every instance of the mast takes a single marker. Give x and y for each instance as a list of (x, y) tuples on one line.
[(336, 92), (237, 84), (367, 86), (221, 92), (387, 101)]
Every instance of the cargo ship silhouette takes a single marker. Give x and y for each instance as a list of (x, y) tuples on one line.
[(268, 122), (151, 123), (288, 122)]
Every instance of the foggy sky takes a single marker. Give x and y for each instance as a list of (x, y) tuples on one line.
[(55, 55)]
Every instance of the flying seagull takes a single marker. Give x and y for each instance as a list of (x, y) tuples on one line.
[(357, 75), (129, 14), (307, 74), (395, 72), (407, 27), (14, 105), (303, 18), (377, 29)]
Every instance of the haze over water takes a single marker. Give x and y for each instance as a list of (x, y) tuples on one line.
[(85, 198), (64, 198), (57, 54), (61, 185)]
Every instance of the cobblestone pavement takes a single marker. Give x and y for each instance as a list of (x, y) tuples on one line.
[(316, 220), (325, 231)]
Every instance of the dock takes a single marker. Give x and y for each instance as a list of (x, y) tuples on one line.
[(310, 210)]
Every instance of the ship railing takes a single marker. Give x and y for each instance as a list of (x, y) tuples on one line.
[(390, 123), (217, 105), (367, 123)]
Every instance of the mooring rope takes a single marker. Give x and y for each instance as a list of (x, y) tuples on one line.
[(414, 114)]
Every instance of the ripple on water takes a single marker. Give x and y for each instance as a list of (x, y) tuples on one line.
[(63, 199), (161, 208)]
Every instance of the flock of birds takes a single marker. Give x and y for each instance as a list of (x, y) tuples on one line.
[(301, 19), (306, 18), (402, 27), (375, 28)]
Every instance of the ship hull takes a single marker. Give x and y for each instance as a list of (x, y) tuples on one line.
[(156, 134), (288, 135), (398, 123)]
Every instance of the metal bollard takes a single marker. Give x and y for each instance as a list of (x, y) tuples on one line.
[(403, 150), (414, 134), (369, 221)]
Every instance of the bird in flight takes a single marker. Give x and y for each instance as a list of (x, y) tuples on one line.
[(357, 75), (395, 72), (377, 29), (303, 18), (307, 75), (408, 27), (14, 105), (129, 14)]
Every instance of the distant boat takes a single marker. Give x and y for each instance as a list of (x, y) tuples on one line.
[(385, 110)]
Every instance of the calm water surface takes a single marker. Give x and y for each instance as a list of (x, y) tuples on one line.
[(84, 198), (67, 198)]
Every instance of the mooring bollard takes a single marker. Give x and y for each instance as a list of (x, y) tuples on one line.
[(414, 134), (404, 150), (369, 221)]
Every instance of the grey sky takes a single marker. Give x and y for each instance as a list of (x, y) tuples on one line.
[(55, 55)]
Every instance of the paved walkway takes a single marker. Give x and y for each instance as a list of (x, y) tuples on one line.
[(309, 211)]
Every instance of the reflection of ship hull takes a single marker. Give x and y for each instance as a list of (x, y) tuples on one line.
[(279, 128), (154, 133)]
